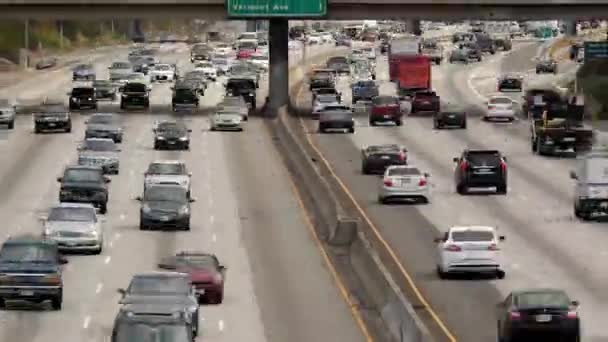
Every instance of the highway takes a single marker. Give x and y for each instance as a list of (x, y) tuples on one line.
[(545, 247), (278, 287)]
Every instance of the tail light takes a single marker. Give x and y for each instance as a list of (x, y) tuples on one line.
[(464, 165), (217, 278), (514, 315), (453, 248), (422, 182), (572, 315), (503, 166), (493, 247), (388, 182)]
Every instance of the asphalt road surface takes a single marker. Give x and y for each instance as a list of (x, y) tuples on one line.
[(278, 287), (545, 245)]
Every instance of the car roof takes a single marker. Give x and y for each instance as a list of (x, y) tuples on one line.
[(84, 167), (99, 139), (73, 205), (28, 239), (535, 290), (166, 186), (167, 161), (472, 228), (384, 147)]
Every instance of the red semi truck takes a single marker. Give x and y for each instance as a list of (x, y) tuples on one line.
[(411, 71)]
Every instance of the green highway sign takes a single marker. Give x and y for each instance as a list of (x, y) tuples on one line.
[(276, 8), (596, 50)]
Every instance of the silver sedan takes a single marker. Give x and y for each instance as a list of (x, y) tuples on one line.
[(403, 182), (75, 227)]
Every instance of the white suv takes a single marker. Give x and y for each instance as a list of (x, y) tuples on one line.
[(468, 250)]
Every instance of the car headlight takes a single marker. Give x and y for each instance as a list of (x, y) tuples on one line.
[(548, 140), (184, 210), (90, 98), (146, 209), (94, 234), (65, 193), (183, 139), (192, 309), (48, 232), (160, 138)]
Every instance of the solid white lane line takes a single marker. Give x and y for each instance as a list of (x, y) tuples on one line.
[(214, 238), (211, 219), (220, 325), (107, 260), (87, 321), (98, 288), (123, 217)]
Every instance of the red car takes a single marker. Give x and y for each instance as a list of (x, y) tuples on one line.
[(425, 102), (207, 273), (245, 54), (385, 109)]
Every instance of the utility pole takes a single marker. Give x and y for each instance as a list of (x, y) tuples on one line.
[(27, 43), (112, 26), (61, 34)]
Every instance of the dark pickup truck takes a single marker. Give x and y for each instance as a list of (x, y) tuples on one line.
[(556, 125), (364, 90), (30, 270), (84, 184)]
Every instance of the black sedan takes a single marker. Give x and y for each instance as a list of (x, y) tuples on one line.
[(510, 83), (171, 135), (376, 158), (451, 119), (546, 66), (538, 315)]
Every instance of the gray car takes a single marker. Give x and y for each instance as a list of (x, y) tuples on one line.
[(340, 119), (591, 189), (7, 114), (164, 288), (100, 152), (83, 72), (104, 125), (75, 227), (165, 206)]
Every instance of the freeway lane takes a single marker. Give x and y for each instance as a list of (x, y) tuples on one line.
[(276, 281), (545, 245)]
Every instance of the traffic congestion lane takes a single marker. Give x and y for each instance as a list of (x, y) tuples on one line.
[(90, 311), (538, 208)]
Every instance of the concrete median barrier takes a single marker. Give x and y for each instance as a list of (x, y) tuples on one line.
[(381, 301)]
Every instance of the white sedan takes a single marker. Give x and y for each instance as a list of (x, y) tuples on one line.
[(500, 108), (469, 249), (208, 69), (162, 72), (404, 182)]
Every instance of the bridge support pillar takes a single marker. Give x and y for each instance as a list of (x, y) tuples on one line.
[(278, 90)]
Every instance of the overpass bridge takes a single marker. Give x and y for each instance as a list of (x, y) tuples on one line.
[(278, 32)]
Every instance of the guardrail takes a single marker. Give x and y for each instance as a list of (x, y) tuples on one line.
[(342, 229)]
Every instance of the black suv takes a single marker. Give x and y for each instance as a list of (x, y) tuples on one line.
[(31, 271), (243, 86), (83, 97), (376, 158), (480, 168), (134, 95), (185, 96), (84, 184), (171, 135), (52, 117)]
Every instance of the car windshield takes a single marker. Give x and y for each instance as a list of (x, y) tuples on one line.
[(28, 252), (247, 45), (501, 100), (135, 88), (204, 65), (158, 284), (365, 84), (162, 67), (102, 84), (72, 214), (472, 236), (220, 61), (232, 101), (337, 60), (259, 58), (83, 67), (545, 299), (167, 169), (101, 119), (165, 194), (83, 91), (385, 100), (146, 332), (202, 261), (327, 98), (404, 171), (102, 145), (82, 175), (135, 77), (120, 65), (171, 127), (323, 74)]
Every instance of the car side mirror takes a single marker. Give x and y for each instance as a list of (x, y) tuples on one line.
[(455, 159), (504, 158), (62, 260), (60, 179), (438, 240), (42, 218), (80, 148), (573, 175), (189, 174), (192, 199), (575, 303), (189, 130), (501, 238), (122, 292), (138, 198), (106, 180), (118, 150), (426, 174)]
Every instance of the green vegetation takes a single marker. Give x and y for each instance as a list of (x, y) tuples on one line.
[(593, 79)]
